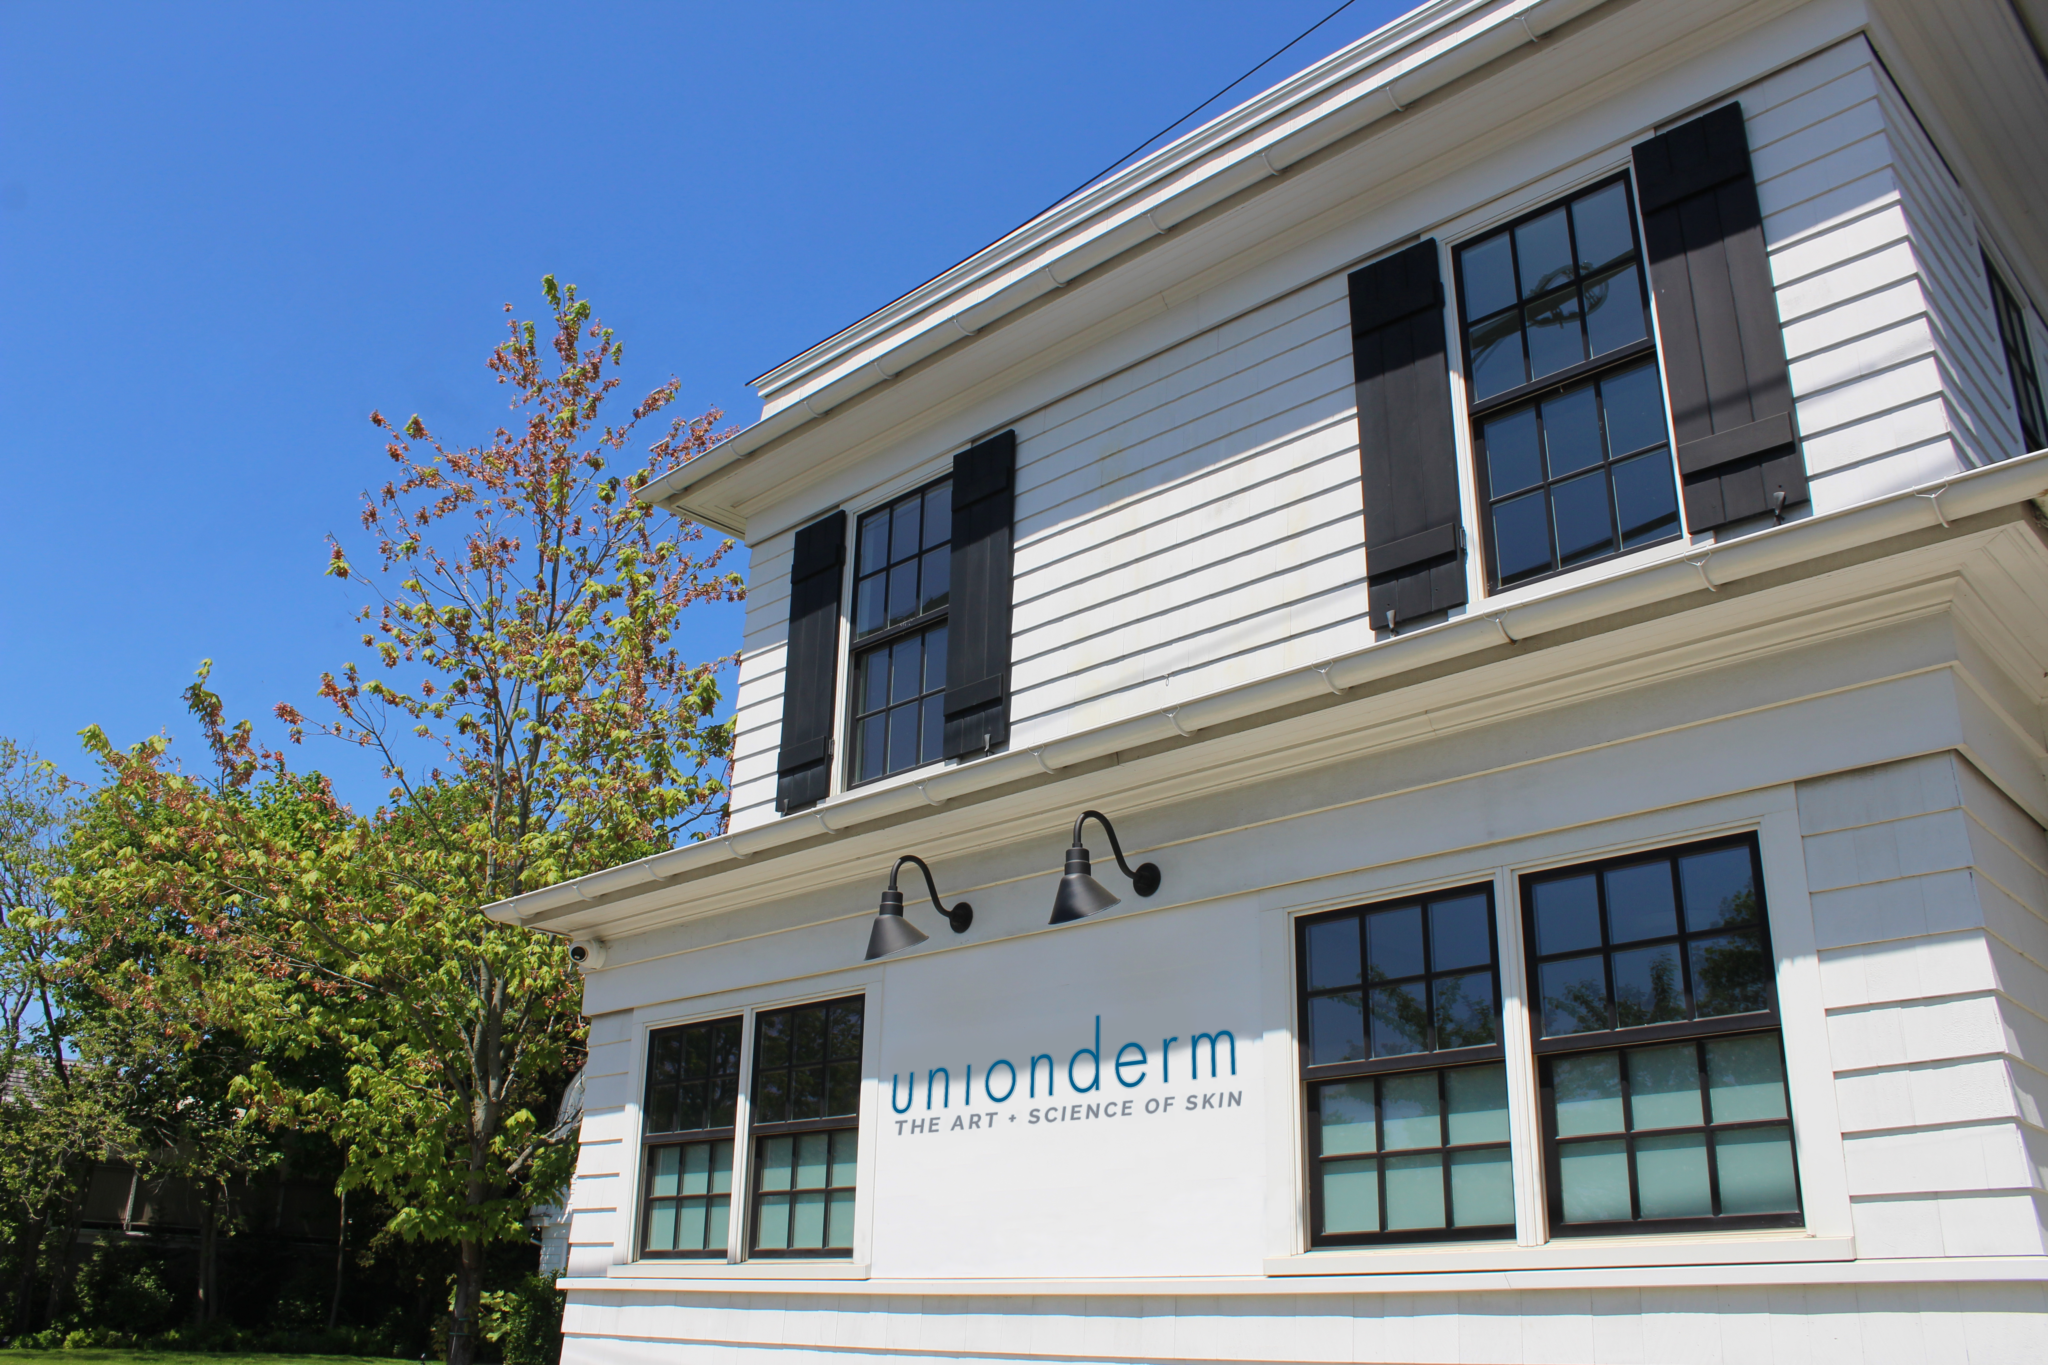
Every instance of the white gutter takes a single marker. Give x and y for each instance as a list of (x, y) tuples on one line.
[(1375, 78), (1716, 566)]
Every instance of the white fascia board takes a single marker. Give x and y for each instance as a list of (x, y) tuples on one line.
[(1987, 489), (1374, 78)]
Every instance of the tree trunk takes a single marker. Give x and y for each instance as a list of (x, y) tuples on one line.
[(60, 1274), (204, 1307), (31, 1243), (340, 1261), (469, 1288)]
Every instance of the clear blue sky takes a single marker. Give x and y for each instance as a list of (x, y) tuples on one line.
[(229, 231)]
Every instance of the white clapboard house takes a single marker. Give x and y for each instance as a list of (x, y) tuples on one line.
[(1526, 532)]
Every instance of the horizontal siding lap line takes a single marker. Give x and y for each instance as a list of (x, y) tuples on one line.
[(1849, 282), (1956, 1063), (1121, 402), (1782, 86), (1084, 686), (1247, 516), (1771, 123), (1296, 309), (1293, 390), (1791, 224), (1204, 619), (1933, 394), (1851, 322), (1268, 429), (1867, 173), (1992, 996), (1808, 146), (1818, 415), (1823, 371), (1334, 528), (1956, 1126), (1209, 486), (1881, 225), (1818, 174)]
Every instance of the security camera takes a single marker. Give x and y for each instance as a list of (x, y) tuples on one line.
[(588, 953)]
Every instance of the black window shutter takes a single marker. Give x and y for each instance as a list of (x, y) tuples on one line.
[(1414, 549), (811, 669), (978, 612), (1717, 317)]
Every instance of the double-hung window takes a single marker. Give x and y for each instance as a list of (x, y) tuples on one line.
[(1573, 453), (806, 1128), (1660, 1060), (693, 1086), (799, 1133), (1401, 1060), (903, 573)]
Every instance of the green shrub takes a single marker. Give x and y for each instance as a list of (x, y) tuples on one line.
[(525, 1321)]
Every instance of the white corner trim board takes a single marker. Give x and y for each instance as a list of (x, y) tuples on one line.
[(1991, 488)]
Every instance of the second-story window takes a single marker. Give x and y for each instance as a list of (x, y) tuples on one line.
[(1567, 411), (903, 564)]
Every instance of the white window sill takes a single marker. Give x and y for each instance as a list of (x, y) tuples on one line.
[(1571, 1253), (837, 1269)]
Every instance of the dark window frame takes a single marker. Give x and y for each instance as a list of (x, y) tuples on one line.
[(861, 647), (654, 1140), (1625, 1039), (1314, 1076), (1581, 374), (2018, 348), (759, 1133)]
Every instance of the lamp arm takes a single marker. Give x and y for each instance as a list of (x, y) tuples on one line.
[(1114, 847), (953, 916)]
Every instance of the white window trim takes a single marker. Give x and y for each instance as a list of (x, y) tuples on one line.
[(627, 1260), (1772, 815)]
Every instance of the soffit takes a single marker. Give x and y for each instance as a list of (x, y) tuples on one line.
[(1973, 73)]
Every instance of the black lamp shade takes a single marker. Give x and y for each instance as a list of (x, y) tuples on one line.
[(892, 933), (1080, 895)]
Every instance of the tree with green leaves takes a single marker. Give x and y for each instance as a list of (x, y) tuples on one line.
[(533, 712)]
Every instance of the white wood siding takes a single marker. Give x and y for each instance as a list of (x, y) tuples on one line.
[(601, 1197), (1888, 323), (1193, 521), (1930, 904)]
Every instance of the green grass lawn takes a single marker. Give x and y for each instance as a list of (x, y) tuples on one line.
[(97, 1356)]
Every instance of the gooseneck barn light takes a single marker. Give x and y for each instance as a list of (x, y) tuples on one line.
[(1080, 895), (893, 933)]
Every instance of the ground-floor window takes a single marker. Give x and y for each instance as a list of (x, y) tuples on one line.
[(1662, 1101), (799, 1128)]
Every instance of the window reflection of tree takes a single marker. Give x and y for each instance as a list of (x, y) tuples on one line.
[(1665, 1000)]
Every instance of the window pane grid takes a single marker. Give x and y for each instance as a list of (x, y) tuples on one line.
[(693, 1075), (1624, 1166), (1577, 474), (1430, 1159), (806, 1077), (1666, 940), (1399, 980), (689, 1199), (902, 584), (1689, 1126)]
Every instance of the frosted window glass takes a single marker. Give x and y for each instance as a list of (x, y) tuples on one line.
[(776, 1154), (1410, 1112), (1588, 1091), (1482, 1188), (1745, 1079), (812, 1153), (667, 1166), (1351, 1196), (807, 1225), (719, 1233), (1755, 1166), (773, 1232), (839, 1220), (1415, 1191), (697, 1168), (1479, 1104), (661, 1228), (1671, 1176), (1595, 1179), (1664, 1087), (1346, 1117)]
